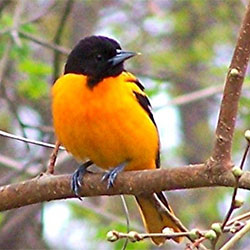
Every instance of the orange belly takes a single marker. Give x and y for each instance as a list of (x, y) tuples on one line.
[(105, 124)]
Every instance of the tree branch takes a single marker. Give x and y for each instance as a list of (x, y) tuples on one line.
[(53, 187), (231, 95)]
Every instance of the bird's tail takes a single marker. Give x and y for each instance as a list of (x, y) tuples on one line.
[(155, 217)]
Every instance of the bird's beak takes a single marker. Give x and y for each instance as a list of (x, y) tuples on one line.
[(120, 57)]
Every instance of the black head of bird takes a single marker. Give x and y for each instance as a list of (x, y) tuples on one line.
[(97, 57)]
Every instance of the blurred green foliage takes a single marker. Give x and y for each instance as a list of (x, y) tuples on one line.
[(35, 85), (102, 226)]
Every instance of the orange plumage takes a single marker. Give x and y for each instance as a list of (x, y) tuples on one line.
[(102, 124)]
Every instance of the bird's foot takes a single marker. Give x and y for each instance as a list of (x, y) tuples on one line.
[(77, 178), (111, 175)]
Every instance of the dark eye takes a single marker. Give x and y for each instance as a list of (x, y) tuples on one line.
[(99, 57)]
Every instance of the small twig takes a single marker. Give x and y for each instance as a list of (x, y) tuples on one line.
[(44, 43), (231, 209), (234, 228), (167, 233), (20, 138), (125, 207), (135, 236), (233, 205), (52, 159), (197, 243), (238, 218), (237, 237), (237, 172)]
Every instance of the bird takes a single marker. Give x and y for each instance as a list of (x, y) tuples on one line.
[(102, 116)]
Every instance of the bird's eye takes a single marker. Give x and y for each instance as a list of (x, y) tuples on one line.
[(99, 57)]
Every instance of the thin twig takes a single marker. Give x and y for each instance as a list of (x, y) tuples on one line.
[(44, 43), (125, 207), (35, 142), (232, 206), (135, 236), (198, 242), (231, 209), (238, 218), (52, 159), (230, 244)]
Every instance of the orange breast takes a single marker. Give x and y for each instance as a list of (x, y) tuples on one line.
[(105, 124)]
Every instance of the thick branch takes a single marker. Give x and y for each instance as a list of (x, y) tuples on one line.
[(229, 106), (52, 187)]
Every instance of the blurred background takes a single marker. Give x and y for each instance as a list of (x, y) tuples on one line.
[(186, 48)]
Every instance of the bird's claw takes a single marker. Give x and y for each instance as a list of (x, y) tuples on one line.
[(77, 178), (111, 175)]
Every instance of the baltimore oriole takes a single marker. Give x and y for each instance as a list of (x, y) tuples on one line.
[(101, 113)]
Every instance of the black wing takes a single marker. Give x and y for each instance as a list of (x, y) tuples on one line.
[(145, 104)]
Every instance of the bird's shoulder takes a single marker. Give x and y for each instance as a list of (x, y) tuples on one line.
[(137, 88)]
